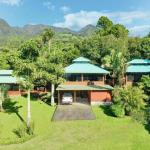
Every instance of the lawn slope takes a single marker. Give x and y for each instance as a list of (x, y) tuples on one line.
[(104, 133)]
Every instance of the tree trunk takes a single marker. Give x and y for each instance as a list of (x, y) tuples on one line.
[(29, 110), (52, 94)]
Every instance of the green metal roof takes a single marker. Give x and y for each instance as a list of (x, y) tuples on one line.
[(81, 59), (84, 88), (140, 61), (138, 69), (83, 65), (8, 80), (6, 72), (6, 77)]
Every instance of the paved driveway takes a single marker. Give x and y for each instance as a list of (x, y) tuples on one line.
[(76, 111)]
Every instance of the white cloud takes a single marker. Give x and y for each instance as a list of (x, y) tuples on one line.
[(65, 9), (139, 30), (11, 2), (49, 5), (80, 19)]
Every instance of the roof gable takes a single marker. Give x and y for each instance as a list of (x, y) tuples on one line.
[(139, 66), (140, 61), (6, 72), (83, 65), (81, 59)]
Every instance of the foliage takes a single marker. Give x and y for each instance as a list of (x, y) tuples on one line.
[(145, 48), (21, 131), (140, 116), (24, 130), (104, 23), (118, 110), (145, 84), (129, 98), (119, 31), (45, 97), (3, 95)]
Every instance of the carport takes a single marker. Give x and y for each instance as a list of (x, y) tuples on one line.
[(80, 93)]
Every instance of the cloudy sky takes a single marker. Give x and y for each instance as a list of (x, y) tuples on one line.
[(75, 14)]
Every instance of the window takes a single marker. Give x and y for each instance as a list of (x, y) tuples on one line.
[(73, 77), (92, 77)]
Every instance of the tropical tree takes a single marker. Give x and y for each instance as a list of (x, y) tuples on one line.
[(26, 70), (129, 99), (47, 36), (51, 71)]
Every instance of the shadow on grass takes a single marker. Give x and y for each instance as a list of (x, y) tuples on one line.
[(11, 107), (107, 110), (147, 127)]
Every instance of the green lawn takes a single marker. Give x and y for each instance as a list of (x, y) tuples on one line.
[(104, 133)]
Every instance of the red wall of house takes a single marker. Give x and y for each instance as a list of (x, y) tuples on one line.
[(100, 96), (14, 93)]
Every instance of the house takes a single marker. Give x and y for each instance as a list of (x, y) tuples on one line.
[(136, 68), (86, 82), (7, 79)]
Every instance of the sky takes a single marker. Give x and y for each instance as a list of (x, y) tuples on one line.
[(75, 14)]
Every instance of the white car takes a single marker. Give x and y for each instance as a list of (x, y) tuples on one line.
[(67, 98)]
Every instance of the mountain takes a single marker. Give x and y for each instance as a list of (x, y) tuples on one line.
[(87, 30), (32, 30), (5, 28)]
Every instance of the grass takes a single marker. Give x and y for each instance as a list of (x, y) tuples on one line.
[(104, 133)]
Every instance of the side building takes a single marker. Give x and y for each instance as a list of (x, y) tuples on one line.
[(86, 83), (7, 79), (136, 69)]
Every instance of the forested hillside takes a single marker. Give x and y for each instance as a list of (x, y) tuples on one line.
[(106, 44)]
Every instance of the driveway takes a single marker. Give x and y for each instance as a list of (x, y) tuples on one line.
[(76, 111)]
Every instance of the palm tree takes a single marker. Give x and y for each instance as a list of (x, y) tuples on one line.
[(46, 37)]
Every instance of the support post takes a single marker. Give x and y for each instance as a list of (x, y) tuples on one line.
[(74, 96), (58, 97), (82, 77)]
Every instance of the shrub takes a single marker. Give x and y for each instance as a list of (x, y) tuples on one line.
[(145, 85), (45, 97), (118, 110), (21, 131), (139, 116), (30, 129), (24, 130), (129, 98)]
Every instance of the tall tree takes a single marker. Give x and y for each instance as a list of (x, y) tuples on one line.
[(47, 36), (29, 52), (104, 23)]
